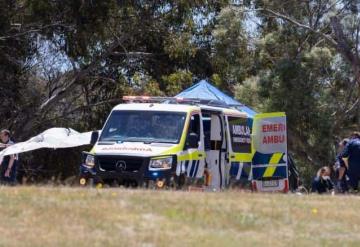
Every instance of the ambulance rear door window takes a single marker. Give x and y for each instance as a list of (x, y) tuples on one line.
[(240, 134)]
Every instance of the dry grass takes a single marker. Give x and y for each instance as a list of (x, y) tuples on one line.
[(40, 216)]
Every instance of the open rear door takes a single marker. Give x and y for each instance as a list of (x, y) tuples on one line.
[(239, 147), (269, 168)]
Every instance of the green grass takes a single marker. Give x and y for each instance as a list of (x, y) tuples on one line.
[(45, 216)]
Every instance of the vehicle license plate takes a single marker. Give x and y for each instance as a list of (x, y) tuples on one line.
[(270, 183)]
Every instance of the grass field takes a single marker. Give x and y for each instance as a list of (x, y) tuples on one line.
[(45, 216)]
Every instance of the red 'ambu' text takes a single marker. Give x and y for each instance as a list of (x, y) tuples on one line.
[(274, 139)]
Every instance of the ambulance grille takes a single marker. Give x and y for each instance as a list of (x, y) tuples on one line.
[(120, 163)]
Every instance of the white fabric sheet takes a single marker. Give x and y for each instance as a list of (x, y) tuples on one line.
[(51, 138)]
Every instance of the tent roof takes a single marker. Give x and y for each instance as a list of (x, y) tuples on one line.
[(204, 90)]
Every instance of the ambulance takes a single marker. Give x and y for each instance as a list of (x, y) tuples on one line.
[(169, 142)]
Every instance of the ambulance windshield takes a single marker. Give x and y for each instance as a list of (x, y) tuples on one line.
[(144, 126)]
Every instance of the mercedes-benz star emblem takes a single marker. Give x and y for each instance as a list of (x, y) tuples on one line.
[(121, 165)]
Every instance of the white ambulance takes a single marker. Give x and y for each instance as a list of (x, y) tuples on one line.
[(169, 142)]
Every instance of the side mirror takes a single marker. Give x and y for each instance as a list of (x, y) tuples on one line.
[(94, 137), (192, 141)]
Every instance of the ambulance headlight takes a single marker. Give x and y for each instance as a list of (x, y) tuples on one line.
[(160, 163), (90, 161)]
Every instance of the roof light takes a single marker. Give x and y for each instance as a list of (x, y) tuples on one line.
[(175, 100), (144, 99), (129, 97), (139, 98)]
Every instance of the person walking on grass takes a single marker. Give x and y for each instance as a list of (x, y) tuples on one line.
[(322, 182), (8, 166), (351, 157)]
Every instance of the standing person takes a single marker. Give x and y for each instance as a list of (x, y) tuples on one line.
[(340, 168), (351, 157), (322, 182), (9, 163)]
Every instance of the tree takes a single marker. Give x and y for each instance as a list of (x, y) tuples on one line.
[(301, 69), (106, 47), (66, 63), (231, 49), (335, 22)]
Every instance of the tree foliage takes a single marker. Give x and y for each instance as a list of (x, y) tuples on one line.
[(67, 63)]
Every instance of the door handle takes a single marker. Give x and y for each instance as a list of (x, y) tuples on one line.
[(200, 155)]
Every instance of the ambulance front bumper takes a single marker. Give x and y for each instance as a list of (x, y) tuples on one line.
[(123, 168)]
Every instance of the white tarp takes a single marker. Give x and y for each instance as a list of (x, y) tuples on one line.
[(51, 138)]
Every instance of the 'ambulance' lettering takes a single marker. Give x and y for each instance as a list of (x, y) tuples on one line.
[(241, 130), (273, 139)]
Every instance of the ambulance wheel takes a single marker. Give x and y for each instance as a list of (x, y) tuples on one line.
[(82, 182), (86, 182)]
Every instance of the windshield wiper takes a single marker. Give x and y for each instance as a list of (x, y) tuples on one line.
[(146, 141), (132, 139), (158, 141), (106, 142)]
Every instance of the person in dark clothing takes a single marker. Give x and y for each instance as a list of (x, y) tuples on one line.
[(8, 165), (322, 182), (294, 175), (340, 168), (351, 157)]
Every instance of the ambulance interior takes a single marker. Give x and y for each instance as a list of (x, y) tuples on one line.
[(215, 146)]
